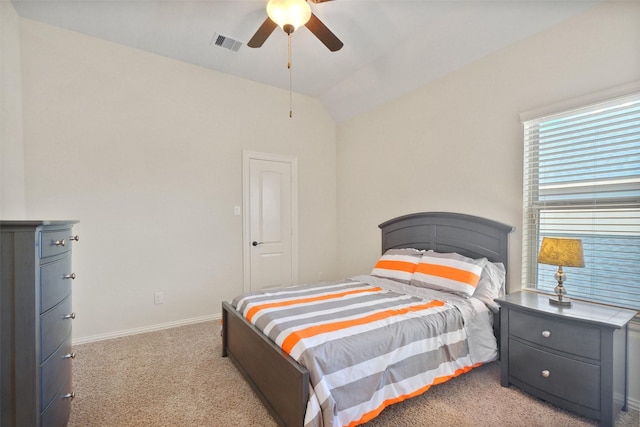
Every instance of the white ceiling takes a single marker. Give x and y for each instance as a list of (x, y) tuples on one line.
[(390, 47)]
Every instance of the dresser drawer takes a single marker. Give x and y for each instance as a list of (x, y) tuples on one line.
[(55, 284), (55, 328), (569, 379), (55, 242), (555, 334), (57, 413), (55, 372)]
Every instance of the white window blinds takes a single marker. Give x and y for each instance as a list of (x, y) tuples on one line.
[(582, 180)]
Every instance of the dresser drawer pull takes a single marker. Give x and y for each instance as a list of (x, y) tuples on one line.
[(76, 238), (546, 334), (69, 316), (69, 356), (71, 276), (69, 395), (545, 373), (60, 242)]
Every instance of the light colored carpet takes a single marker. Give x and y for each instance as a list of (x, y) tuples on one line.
[(177, 377)]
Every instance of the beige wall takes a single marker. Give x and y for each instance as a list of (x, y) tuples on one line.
[(456, 144), (12, 191), (147, 153)]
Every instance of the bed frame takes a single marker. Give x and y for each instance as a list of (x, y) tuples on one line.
[(280, 382)]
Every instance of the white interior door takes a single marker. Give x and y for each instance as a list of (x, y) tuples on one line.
[(270, 207)]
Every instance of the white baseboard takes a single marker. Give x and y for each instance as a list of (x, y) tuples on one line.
[(633, 404), (144, 329)]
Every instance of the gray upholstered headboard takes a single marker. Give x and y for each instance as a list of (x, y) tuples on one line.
[(467, 235)]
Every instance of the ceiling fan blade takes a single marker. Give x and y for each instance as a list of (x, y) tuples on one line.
[(320, 1), (263, 33), (324, 34)]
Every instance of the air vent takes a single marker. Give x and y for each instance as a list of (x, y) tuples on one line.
[(225, 42)]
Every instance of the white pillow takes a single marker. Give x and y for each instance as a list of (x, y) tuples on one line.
[(448, 272), (397, 264), (491, 284)]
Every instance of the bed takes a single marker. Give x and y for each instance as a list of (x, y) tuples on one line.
[(282, 383)]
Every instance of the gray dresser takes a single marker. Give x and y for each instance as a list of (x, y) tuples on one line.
[(575, 357), (35, 321)]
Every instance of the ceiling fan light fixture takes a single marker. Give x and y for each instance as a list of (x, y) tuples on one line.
[(289, 14)]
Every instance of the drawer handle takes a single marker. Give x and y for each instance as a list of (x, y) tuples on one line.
[(546, 334), (71, 276), (60, 242), (546, 373), (69, 395), (69, 316), (76, 238), (69, 355)]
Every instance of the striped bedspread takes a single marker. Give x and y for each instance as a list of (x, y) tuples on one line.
[(365, 347)]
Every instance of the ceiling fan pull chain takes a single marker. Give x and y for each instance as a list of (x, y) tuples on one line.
[(290, 78), (289, 51)]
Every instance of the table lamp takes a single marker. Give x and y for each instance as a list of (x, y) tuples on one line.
[(562, 252)]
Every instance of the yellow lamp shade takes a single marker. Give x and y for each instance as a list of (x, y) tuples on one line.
[(561, 252)]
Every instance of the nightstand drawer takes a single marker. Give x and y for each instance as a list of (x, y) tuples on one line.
[(566, 378), (556, 334)]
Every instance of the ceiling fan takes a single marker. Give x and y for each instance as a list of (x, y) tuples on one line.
[(289, 15)]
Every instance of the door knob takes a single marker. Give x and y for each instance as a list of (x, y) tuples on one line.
[(256, 243)]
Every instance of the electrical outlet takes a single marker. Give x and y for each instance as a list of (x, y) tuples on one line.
[(158, 298)]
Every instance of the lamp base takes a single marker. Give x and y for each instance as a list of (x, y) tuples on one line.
[(560, 301)]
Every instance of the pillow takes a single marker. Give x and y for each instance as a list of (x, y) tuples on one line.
[(397, 264), (450, 272), (491, 284)]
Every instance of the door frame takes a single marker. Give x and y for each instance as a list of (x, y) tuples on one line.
[(247, 156)]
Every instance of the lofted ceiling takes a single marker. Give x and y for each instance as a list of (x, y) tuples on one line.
[(390, 46)]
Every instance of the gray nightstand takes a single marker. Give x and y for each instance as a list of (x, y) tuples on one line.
[(574, 357)]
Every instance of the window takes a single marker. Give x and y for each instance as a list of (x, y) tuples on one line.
[(582, 180)]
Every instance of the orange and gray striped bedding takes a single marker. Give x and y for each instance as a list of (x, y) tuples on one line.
[(365, 346)]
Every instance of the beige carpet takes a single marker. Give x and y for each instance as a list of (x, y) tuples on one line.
[(177, 377)]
